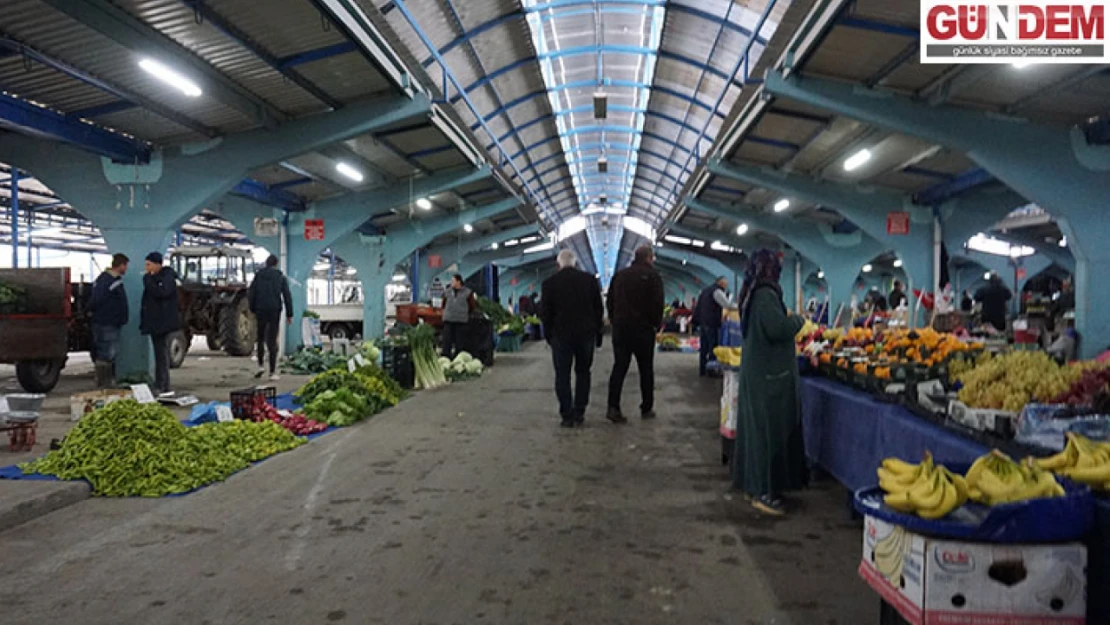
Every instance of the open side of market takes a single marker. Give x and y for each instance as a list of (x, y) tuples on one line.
[(308, 304)]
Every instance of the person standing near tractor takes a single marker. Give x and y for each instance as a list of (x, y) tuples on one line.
[(108, 305), (268, 292), (159, 317)]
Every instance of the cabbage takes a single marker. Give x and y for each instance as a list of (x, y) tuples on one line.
[(464, 358), (474, 367), (444, 362)]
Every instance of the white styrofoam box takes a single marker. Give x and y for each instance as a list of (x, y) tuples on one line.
[(84, 403), (729, 394), (946, 582)]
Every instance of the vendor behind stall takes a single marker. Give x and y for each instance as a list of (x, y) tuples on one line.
[(994, 298)]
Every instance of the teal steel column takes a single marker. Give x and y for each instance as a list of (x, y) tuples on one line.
[(414, 277), (15, 217)]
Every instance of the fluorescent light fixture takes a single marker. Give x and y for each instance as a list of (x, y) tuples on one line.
[(542, 247), (987, 276), (820, 275), (602, 165), (351, 271), (716, 244), (721, 247), (867, 268), (857, 160), (511, 242), (677, 239), (990, 245), (697, 243), (1023, 64), (530, 239), (398, 277), (782, 205), (468, 228), (321, 266), (424, 204), (742, 229), (45, 232), (170, 77), (1063, 242), (348, 171), (897, 262), (494, 246)]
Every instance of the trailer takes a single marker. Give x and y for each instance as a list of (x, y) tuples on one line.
[(45, 320)]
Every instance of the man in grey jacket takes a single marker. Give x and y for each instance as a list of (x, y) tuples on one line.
[(268, 292), (458, 301)]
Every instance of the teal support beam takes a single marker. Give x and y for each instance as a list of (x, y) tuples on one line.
[(1051, 251), (867, 207), (1053, 166), (968, 215), (376, 257), (452, 253), (839, 255), (711, 267)]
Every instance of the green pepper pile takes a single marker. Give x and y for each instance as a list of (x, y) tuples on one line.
[(129, 449)]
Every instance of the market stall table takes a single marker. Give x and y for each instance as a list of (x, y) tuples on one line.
[(848, 433)]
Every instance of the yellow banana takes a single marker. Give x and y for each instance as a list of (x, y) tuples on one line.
[(1063, 459), (898, 466), (959, 484), (993, 489), (927, 493), (976, 469), (974, 494), (895, 478), (1093, 475), (899, 501), (948, 502)]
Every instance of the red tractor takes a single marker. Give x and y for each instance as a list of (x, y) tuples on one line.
[(213, 299)]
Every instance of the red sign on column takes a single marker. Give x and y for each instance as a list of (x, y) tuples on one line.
[(513, 282), (435, 261), (898, 223), (1021, 273), (314, 230)]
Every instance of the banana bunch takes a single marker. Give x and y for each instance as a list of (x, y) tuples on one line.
[(728, 355), (889, 555), (1082, 460), (928, 490), (995, 479)]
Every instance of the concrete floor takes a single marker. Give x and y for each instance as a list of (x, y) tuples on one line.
[(464, 505)]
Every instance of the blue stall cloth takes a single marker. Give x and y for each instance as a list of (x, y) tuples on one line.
[(848, 434)]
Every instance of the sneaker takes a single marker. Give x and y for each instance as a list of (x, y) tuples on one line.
[(615, 416), (259, 372), (579, 418), (648, 415), (566, 423), (274, 377), (769, 504)]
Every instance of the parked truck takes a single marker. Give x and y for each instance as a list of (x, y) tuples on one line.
[(344, 320)]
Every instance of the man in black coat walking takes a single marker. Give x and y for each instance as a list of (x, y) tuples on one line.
[(269, 290), (635, 311), (572, 313), (159, 317)]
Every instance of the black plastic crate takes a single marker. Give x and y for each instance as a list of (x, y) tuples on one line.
[(397, 363), (241, 401)]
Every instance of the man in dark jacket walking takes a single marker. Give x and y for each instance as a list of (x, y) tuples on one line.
[(269, 290), (707, 314), (995, 298), (635, 311), (159, 317), (108, 305), (572, 314)]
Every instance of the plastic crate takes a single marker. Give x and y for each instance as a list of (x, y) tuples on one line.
[(241, 401), (509, 343), (397, 363)]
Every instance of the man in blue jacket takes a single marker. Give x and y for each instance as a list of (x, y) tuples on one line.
[(108, 305), (268, 292), (160, 318)]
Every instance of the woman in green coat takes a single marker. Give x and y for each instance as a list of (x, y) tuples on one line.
[(769, 459)]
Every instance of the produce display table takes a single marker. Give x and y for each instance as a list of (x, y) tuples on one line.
[(848, 433)]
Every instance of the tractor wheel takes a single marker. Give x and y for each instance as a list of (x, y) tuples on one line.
[(213, 341), (39, 376), (237, 328), (339, 331), (179, 346)]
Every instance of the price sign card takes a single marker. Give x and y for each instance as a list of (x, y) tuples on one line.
[(351, 366), (360, 360), (223, 414), (142, 393)]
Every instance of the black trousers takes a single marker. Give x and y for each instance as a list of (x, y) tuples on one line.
[(161, 344), (268, 325), (576, 353), (709, 338), (454, 336), (629, 343)]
